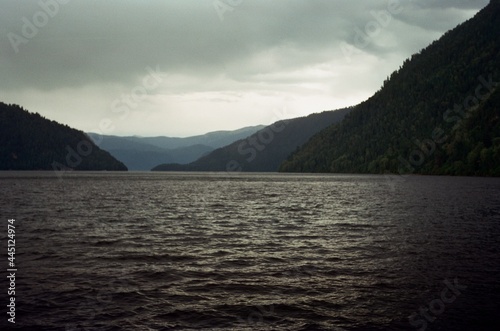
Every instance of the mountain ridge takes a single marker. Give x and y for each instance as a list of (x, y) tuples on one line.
[(213, 139), (421, 102), (143, 153), (29, 141), (264, 150)]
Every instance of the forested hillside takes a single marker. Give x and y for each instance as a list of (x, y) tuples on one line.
[(266, 149), (31, 142), (437, 114), (144, 153)]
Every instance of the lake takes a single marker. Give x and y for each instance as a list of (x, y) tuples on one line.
[(187, 251)]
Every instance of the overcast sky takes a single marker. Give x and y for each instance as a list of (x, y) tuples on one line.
[(185, 67)]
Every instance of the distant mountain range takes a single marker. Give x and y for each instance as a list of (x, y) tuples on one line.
[(438, 114), (31, 142), (144, 153), (264, 150)]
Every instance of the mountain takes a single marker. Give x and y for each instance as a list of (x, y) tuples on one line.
[(143, 153), (30, 142), (214, 139), (437, 114), (264, 150), (140, 156)]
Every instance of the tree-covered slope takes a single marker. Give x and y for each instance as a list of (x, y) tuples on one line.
[(437, 114), (30, 142), (264, 150), (474, 147)]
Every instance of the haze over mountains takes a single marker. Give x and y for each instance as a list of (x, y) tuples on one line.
[(144, 153)]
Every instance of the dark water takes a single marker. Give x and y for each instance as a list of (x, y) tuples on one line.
[(155, 251)]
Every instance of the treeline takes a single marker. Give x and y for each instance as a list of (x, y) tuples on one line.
[(31, 142), (437, 114)]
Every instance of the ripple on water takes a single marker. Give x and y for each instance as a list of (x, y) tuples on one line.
[(275, 252)]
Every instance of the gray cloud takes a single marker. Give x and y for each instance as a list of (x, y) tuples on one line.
[(259, 45)]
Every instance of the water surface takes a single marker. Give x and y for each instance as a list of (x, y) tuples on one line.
[(185, 251)]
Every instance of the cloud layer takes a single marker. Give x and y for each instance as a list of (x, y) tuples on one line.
[(224, 63)]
